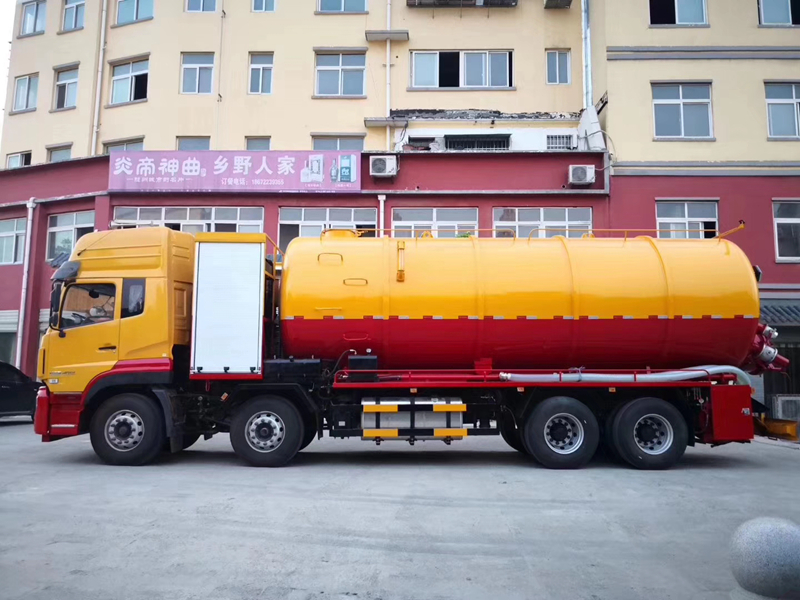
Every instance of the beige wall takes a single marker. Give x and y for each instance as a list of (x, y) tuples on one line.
[(289, 115)]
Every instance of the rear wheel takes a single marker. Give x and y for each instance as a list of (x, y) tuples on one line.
[(650, 433), (510, 433), (267, 431), (562, 433), (608, 433), (309, 436), (127, 430)]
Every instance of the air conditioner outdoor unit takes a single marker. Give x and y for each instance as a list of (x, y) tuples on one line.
[(383, 166), (786, 407), (581, 174)]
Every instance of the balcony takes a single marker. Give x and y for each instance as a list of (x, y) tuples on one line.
[(461, 3), (557, 3)]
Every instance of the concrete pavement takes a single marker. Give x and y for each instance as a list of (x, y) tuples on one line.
[(351, 521)]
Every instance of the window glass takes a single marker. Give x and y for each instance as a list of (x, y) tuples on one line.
[(88, 305), (413, 214), (775, 12), (475, 68), (258, 144), (691, 11), (668, 120), (425, 69), (498, 69), (696, 120), (192, 144), (133, 292)]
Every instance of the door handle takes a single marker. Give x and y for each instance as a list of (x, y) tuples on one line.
[(107, 348)]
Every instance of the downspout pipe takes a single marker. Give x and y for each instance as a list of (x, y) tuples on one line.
[(26, 261), (389, 145), (381, 215), (588, 93), (101, 57)]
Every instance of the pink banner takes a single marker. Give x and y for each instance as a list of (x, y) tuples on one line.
[(208, 171)]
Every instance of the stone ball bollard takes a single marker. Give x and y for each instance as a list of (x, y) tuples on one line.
[(765, 559)]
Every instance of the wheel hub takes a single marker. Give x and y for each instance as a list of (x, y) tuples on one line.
[(564, 433), (265, 432), (653, 434), (124, 430)]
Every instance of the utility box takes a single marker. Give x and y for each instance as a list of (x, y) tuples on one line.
[(228, 305)]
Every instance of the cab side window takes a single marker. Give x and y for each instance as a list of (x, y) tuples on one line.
[(133, 297), (88, 304)]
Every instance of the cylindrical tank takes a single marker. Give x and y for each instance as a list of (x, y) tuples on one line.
[(542, 303)]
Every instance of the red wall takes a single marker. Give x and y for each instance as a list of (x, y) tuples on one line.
[(55, 180), (740, 198)]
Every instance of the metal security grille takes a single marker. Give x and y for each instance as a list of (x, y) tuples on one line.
[(561, 142), (477, 142)]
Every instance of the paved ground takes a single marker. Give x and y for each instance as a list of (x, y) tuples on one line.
[(352, 521)]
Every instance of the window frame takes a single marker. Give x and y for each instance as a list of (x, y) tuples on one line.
[(40, 5), (342, 11), (257, 137), (784, 220), (87, 322), (191, 225), (542, 226), (76, 4), (124, 143), (686, 220), (137, 18), (678, 23), (74, 227), (197, 67), (202, 5), (558, 52), (178, 139), (58, 149), (18, 233), (681, 102), (340, 69), (338, 139), (131, 76), (28, 105), (436, 223), (261, 68), (21, 157), (462, 62), (790, 23), (66, 85), (795, 100), (264, 10), (327, 223)]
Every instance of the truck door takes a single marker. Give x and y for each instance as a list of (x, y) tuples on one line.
[(88, 338)]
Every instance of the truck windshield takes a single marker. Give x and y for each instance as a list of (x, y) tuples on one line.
[(87, 305)]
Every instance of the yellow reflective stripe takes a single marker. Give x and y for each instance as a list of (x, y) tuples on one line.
[(376, 408), (449, 433), (449, 408), (383, 433)]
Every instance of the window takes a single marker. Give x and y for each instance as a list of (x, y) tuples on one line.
[(341, 74), (198, 73), (440, 222), (477, 142), (73, 14), (192, 219), (34, 15), (12, 241), (26, 89), (561, 142), (191, 144), (311, 222), (678, 12), (129, 82), (542, 222), (261, 73), (783, 110), (132, 298), (339, 143), (66, 88), (201, 5), (787, 230), (63, 231), (558, 67), (20, 159), (130, 11), (461, 69), (682, 110), (88, 304), (258, 144), (263, 5), (123, 146), (343, 6), (779, 12), (7, 347), (682, 220), (59, 154)]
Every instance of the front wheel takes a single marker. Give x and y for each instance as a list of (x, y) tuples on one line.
[(127, 430), (267, 431), (562, 433), (509, 432), (650, 433)]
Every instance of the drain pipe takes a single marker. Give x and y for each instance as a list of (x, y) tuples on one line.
[(381, 213), (389, 145), (588, 93), (26, 261), (99, 91)]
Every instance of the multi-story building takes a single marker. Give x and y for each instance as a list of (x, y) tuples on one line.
[(89, 76)]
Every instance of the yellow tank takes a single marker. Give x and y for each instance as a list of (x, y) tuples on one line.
[(541, 303)]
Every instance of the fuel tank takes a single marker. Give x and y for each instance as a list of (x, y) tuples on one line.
[(525, 304)]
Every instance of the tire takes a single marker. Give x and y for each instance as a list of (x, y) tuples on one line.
[(562, 433), (127, 430), (309, 436), (608, 435), (510, 433), (279, 438), (650, 434)]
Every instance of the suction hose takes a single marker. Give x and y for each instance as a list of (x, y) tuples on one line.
[(664, 377)]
